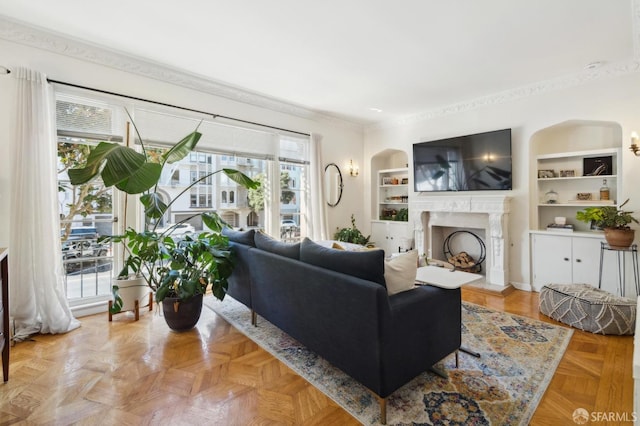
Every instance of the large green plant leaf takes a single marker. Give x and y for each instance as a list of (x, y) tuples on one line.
[(118, 165), (154, 207), (240, 178), (142, 180), (112, 161), (182, 148), (213, 221)]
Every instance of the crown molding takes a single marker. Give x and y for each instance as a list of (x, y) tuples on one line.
[(551, 85), (23, 33), (608, 71)]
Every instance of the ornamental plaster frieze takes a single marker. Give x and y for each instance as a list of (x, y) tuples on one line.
[(606, 71), (22, 33), (462, 204)]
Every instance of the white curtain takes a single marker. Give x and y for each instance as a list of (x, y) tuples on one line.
[(37, 299), (318, 226)]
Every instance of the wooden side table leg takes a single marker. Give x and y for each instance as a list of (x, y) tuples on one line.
[(109, 310), (137, 309)]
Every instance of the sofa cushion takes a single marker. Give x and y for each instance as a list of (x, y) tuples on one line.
[(241, 237), (368, 265), (266, 243), (400, 272)]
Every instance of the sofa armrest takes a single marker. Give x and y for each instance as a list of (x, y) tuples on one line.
[(425, 327)]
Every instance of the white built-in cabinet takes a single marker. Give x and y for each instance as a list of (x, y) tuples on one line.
[(567, 259), (390, 197), (391, 236), (393, 192), (572, 257)]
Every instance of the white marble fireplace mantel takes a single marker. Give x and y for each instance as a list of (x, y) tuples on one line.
[(488, 212)]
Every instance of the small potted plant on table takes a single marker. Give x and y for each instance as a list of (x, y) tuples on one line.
[(615, 222)]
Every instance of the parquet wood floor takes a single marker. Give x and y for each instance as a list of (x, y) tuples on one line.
[(139, 373)]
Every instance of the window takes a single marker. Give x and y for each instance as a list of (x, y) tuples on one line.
[(86, 211), (224, 196), (232, 197)]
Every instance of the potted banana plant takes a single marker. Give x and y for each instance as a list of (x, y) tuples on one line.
[(177, 271)]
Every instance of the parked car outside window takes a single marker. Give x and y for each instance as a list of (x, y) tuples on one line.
[(287, 224), (177, 230)]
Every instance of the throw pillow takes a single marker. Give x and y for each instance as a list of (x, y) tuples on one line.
[(266, 243), (337, 246), (241, 237), (368, 265), (400, 272)]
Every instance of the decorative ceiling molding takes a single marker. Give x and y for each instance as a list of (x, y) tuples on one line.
[(23, 33), (26, 34), (565, 82), (607, 71)]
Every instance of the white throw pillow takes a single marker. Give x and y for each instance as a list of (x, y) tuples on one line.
[(400, 272)]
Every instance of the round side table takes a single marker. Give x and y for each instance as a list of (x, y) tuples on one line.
[(622, 253)]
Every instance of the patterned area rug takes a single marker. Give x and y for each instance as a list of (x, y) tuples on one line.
[(503, 387)]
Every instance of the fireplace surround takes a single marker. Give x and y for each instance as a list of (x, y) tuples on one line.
[(485, 212)]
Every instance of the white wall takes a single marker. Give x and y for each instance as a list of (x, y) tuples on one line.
[(609, 99), (341, 141)]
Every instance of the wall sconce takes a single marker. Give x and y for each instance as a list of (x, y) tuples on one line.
[(353, 170), (634, 144)]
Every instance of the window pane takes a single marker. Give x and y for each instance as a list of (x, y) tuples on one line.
[(291, 197), (86, 213)]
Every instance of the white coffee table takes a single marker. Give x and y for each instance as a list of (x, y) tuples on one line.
[(450, 279), (442, 277)]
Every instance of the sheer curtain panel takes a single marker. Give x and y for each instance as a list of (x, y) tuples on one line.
[(318, 227), (37, 298)]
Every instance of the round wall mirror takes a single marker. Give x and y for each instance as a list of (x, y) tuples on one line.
[(332, 184)]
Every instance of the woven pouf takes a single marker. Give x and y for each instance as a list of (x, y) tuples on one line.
[(588, 308)]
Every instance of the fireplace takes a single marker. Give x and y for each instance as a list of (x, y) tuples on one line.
[(486, 216)]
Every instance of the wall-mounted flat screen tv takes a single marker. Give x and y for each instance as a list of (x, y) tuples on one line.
[(479, 162)]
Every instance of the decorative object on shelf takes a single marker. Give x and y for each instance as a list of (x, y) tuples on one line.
[(386, 180), (583, 196), (604, 190), (402, 215), (567, 173), (351, 235), (353, 169), (634, 143), (598, 166), (405, 181), (565, 227), (546, 174), (615, 222), (560, 220), (181, 268), (551, 197)]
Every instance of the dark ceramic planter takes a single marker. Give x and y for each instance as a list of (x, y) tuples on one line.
[(182, 315)]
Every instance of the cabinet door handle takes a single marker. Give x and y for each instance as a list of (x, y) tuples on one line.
[(578, 260), (566, 259)]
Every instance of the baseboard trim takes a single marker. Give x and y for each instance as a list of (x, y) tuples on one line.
[(492, 289)]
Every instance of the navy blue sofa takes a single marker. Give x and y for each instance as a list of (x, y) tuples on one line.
[(336, 304)]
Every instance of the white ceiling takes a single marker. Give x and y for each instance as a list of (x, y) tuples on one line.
[(344, 57)]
